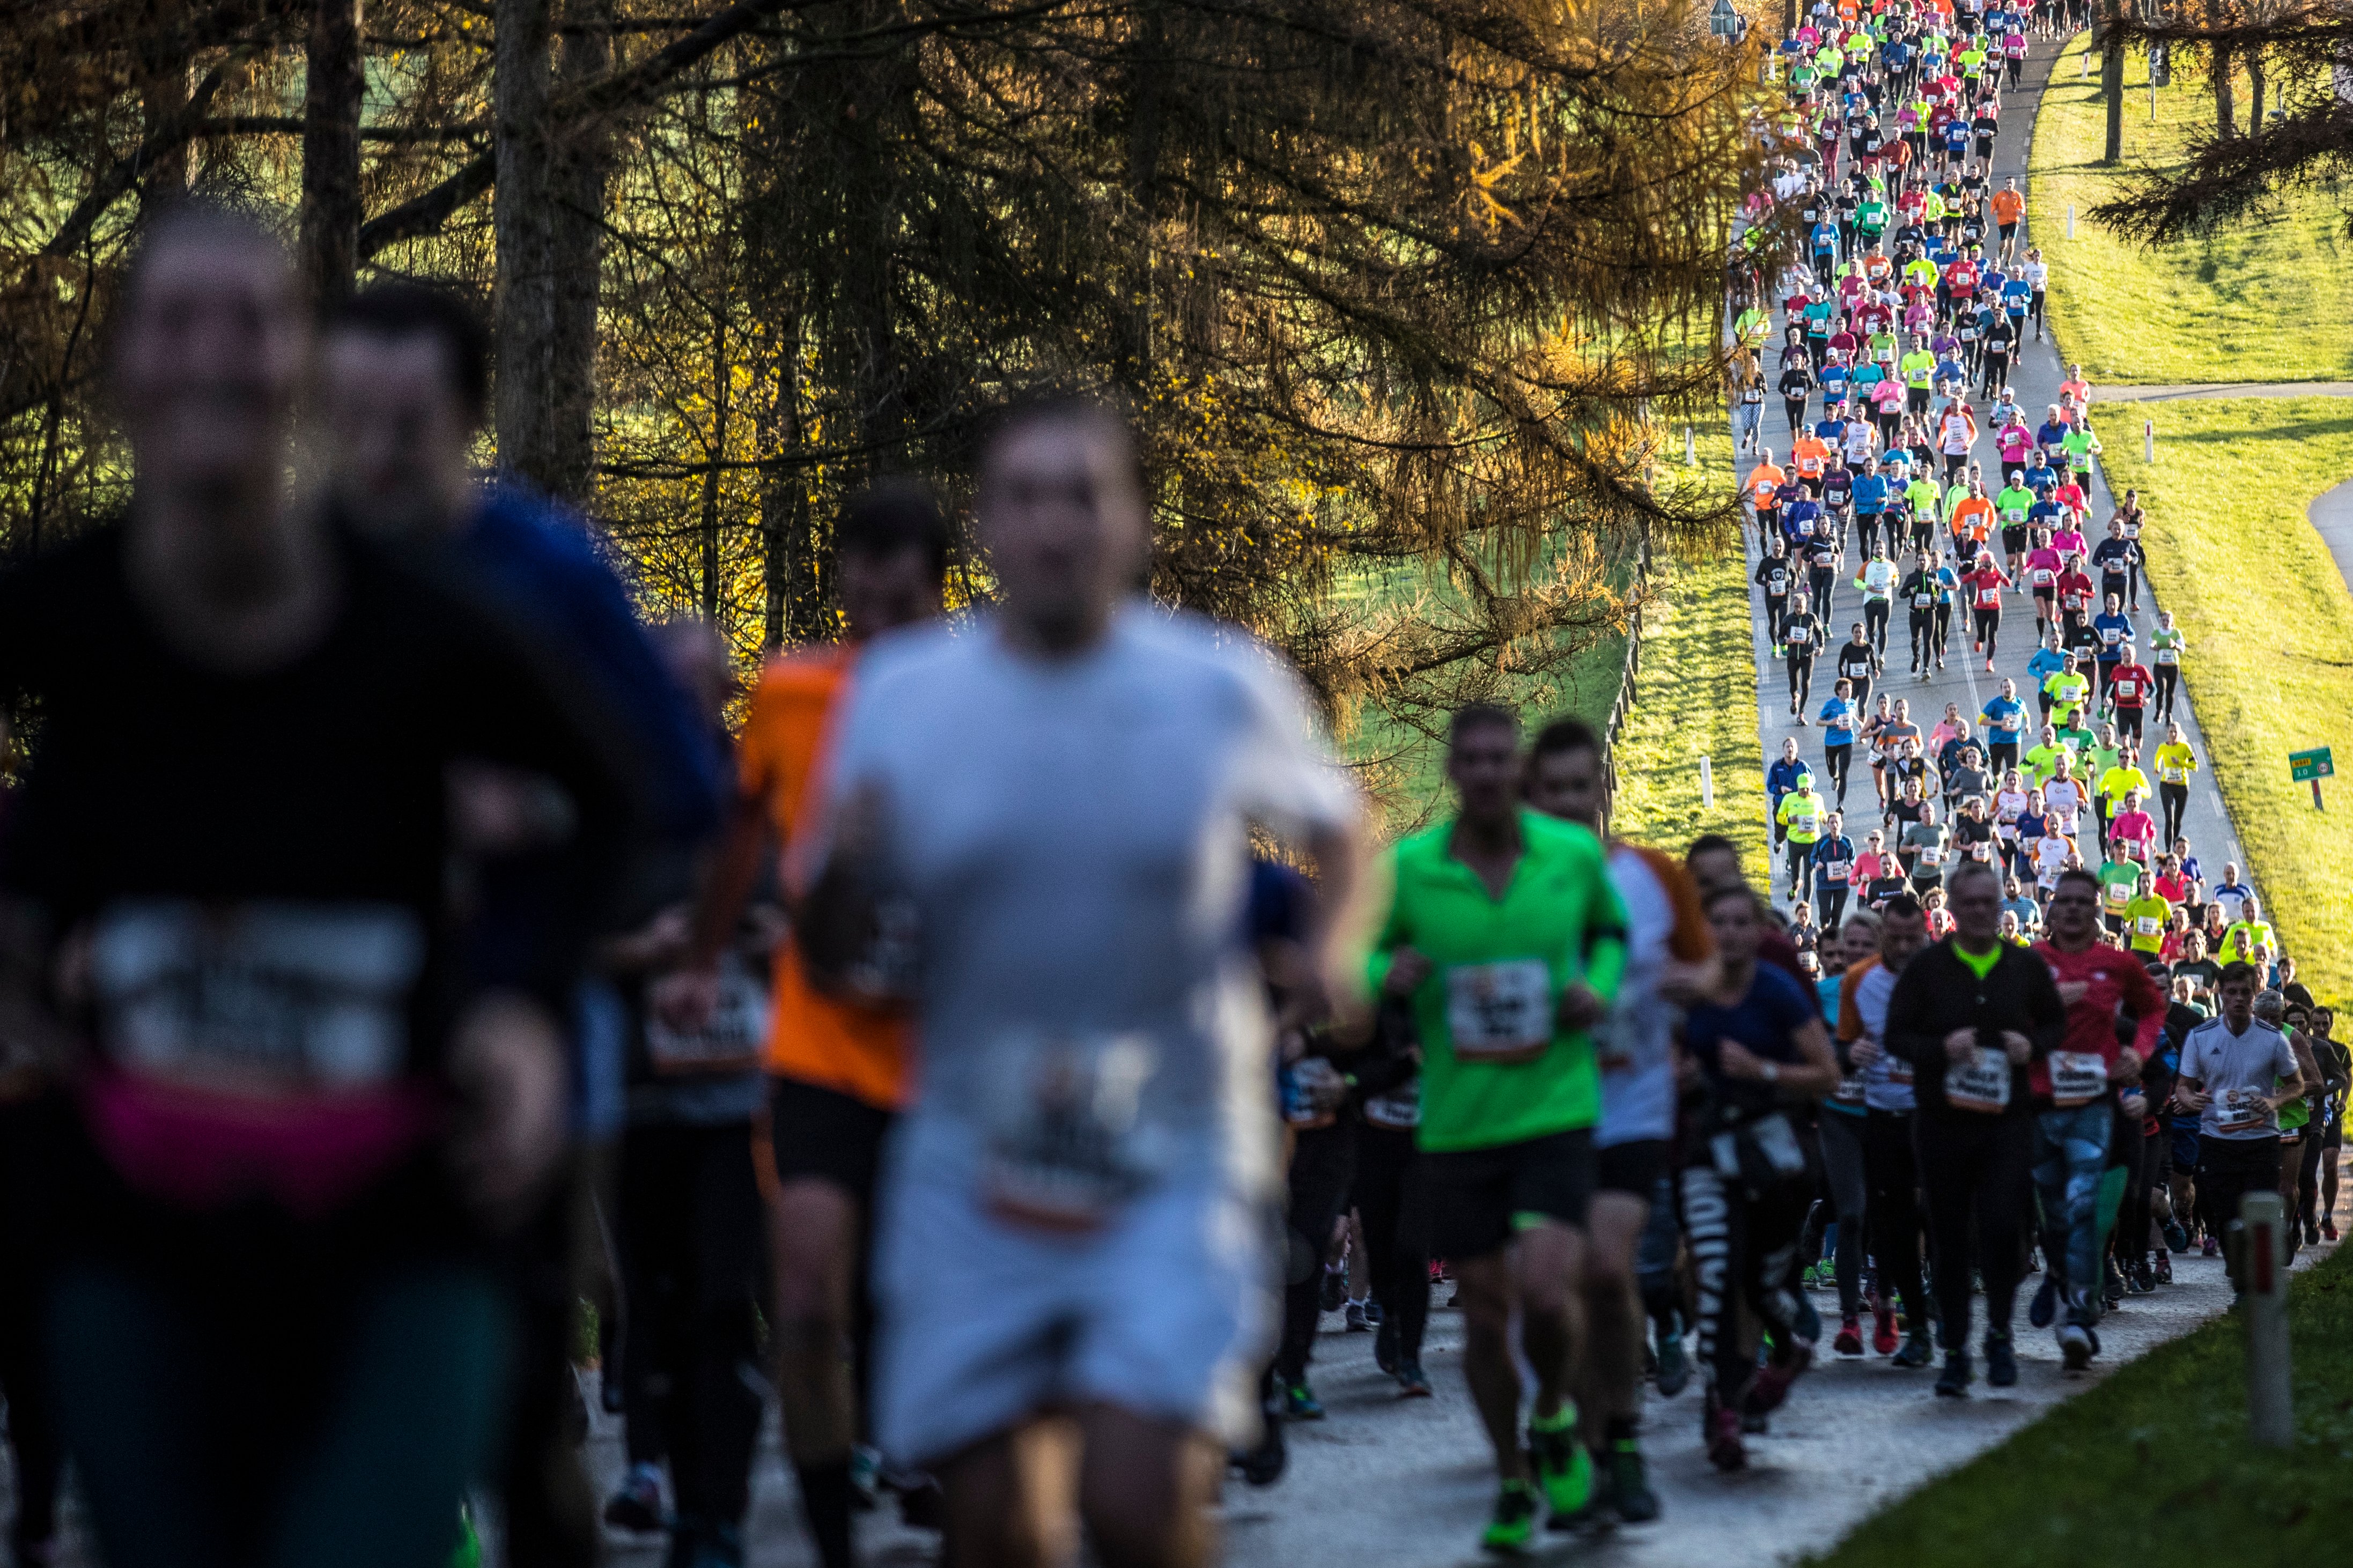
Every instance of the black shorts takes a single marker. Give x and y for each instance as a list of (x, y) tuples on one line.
[(1636, 1168), (2014, 540), (824, 1133), (1480, 1198)]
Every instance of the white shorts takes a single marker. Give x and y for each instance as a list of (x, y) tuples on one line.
[(1169, 1312)]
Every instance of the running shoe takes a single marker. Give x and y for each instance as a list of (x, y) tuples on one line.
[(1373, 1314), (2329, 1230), (1674, 1367), (2075, 1348), (1771, 1386), (1563, 1467), (2144, 1277), (637, 1506), (2045, 1309), (1630, 1497), (1514, 1524), (2177, 1237), (1850, 1337), (2112, 1285), (1953, 1382), (2164, 1269), (2207, 1246), (1334, 1294), (1917, 1352), (2311, 1235), (1882, 1329), (1299, 1403), (1358, 1323), (1413, 1381), (1813, 1276), (1720, 1427), (2002, 1359)]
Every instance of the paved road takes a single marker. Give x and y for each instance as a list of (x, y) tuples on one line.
[(1964, 680), (2332, 514)]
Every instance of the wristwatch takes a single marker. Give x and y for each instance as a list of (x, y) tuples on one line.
[(1772, 1072)]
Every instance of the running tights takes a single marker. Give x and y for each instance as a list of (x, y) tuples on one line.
[(2168, 677), (1891, 1183), (1323, 1167), (1840, 1134), (1978, 1169), (1989, 628), (1836, 759), (1802, 680), (1396, 1212), (1743, 1249), (1874, 622), (2176, 801), (1924, 639)]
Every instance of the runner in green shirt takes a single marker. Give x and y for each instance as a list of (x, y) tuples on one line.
[(2041, 761), (2146, 915), (1505, 935), (2119, 880), (2081, 446), (2069, 690)]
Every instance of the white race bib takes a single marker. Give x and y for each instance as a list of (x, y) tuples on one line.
[(730, 1042), (1066, 1143), (2077, 1077), (2168, 655), (2236, 1109), (1500, 1011), (1399, 1108), (260, 999), (1981, 1083)]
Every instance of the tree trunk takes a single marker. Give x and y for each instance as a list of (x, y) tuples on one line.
[(2226, 117), (524, 330), (2254, 91), (335, 87), (163, 98), (784, 500), (715, 454), (582, 160), (2112, 88)]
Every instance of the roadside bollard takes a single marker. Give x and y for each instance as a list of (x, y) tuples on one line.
[(2148, 440), (1706, 783), (2271, 1400)]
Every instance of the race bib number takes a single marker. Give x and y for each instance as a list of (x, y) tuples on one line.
[(1500, 1013), (1922, 601), (1065, 1144), (730, 1042), (2126, 690), (1981, 1082), (2168, 655), (2077, 1077), (1931, 856), (1805, 528), (2173, 773), (1803, 822), (2147, 925), (1836, 872), (1778, 582), (1801, 636), (262, 999), (1850, 1089), (2236, 1109), (2111, 635), (1399, 1108)]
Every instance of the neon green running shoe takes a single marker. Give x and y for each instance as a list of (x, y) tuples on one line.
[(1564, 1469), (467, 1553), (1514, 1524)]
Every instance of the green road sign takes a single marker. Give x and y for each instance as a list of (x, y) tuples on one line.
[(2315, 763)]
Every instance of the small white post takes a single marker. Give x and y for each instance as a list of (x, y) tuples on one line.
[(2148, 440), (2262, 1271), (2071, 220), (1691, 448), (1706, 783)]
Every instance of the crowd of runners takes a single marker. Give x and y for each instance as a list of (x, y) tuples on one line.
[(1000, 1043)]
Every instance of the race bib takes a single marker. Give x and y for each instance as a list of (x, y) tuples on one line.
[(1922, 601), (2172, 773), (729, 1041), (2126, 690), (1803, 822), (1931, 856), (262, 999), (1778, 581), (2168, 655), (2111, 635), (1065, 1144), (2077, 1077), (1836, 872), (1801, 636), (1805, 528), (1399, 1108), (1500, 1013), (2236, 1109), (1979, 1083), (2147, 925)]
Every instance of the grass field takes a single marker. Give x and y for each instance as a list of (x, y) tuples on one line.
[(2267, 302), (1696, 696), (2152, 1469), (2233, 555)]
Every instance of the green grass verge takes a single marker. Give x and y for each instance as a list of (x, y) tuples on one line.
[(2271, 301), (2232, 554), (1696, 696), (2152, 1469)]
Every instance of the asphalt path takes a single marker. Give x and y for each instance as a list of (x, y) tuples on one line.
[(1964, 681)]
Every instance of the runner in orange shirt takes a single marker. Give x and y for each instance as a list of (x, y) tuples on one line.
[(1809, 454), (1764, 484), (839, 1072), (2009, 205), (1972, 522)]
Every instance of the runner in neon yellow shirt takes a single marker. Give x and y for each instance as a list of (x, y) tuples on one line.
[(2069, 690)]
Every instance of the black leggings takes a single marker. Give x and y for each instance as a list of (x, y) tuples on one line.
[(1323, 1168), (2176, 802), (1743, 1249), (2137, 1152), (1835, 760), (2168, 677), (1975, 1169), (1924, 639), (1988, 624), (1874, 622), (1891, 1174), (1396, 1213), (1801, 679), (2001, 755), (693, 1270)]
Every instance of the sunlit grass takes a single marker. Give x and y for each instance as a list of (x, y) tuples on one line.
[(2271, 302)]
